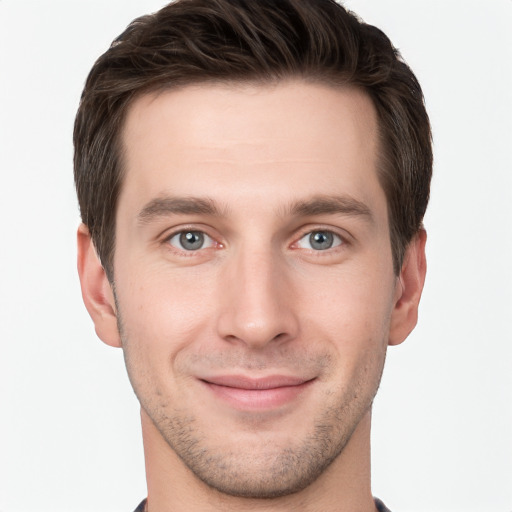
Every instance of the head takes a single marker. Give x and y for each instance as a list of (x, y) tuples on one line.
[(231, 41), (253, 178)]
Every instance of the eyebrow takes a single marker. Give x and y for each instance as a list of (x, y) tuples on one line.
[(331, 205), (320, 205), (165, 206)]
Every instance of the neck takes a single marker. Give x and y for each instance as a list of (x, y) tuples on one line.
[(343, 487)]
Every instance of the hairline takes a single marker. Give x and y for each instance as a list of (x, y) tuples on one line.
[(334, 81)]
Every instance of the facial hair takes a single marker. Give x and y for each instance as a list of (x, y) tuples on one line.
[(259, 467)]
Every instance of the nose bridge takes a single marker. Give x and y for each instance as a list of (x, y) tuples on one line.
[(256, 310)]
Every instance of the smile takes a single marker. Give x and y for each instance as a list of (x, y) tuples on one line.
[(258, 394)]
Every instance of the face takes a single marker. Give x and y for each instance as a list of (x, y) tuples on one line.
[(254, 277)]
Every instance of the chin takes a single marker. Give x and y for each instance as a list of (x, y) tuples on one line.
[(263, 465)]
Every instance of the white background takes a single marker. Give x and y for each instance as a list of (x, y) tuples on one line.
[(442, 436)]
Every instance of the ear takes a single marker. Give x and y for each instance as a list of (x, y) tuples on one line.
[(96, 290), (408, 291)]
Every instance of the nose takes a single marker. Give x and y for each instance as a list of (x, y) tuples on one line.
[(257, 300)]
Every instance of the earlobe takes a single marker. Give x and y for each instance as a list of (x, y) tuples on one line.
[(409, 287), (96, 290)]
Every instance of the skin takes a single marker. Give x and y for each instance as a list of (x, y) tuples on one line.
[(270, 164)]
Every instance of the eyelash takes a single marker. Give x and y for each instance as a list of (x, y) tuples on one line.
[(339, 242), (190, 252), (342, 241)]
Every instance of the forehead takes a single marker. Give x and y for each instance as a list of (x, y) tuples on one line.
[(278, 140)]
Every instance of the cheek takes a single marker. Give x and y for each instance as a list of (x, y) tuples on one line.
[(163, 313), (351, 305), (353, 315), (162, 318)]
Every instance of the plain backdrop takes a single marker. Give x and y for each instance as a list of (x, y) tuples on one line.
[(442, 435)]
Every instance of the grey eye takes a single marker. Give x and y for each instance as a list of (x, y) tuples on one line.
[(320, 240), (190, 240)]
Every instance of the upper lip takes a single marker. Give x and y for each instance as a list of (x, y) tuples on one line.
[(255, 383)]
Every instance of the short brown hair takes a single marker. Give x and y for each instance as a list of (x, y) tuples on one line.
[(198, 41)]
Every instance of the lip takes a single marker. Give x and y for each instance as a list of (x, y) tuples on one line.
[(247, 393)]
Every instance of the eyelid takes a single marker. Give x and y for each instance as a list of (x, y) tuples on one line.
[(208, 240), (344, 237), (169, 235), (342, 234)]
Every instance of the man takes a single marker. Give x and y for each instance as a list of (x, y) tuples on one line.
[(252, 178)]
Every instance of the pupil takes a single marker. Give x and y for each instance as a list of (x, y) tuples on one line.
[(191, 240), (321, 240)]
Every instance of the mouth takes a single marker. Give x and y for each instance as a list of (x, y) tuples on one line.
[(262, 393)]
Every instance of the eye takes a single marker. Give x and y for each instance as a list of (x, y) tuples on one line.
[(319, 240), (191, 240)]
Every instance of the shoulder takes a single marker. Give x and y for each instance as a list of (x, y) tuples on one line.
[(141, 507), (380, 506)]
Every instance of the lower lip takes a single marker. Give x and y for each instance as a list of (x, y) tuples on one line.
[(258, 399)]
